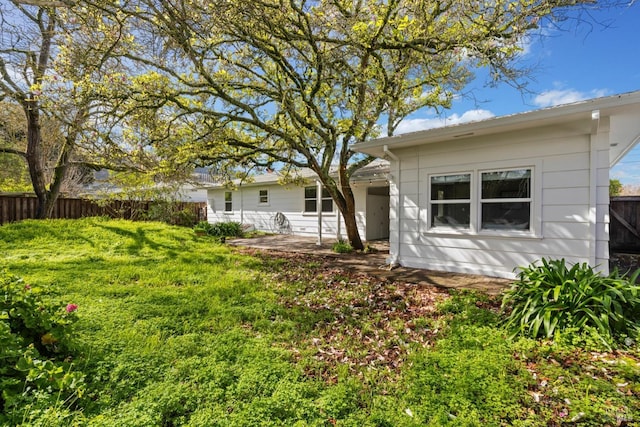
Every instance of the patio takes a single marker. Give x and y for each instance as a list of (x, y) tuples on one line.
[(373, 263)]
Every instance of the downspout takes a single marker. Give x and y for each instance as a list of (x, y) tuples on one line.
[(319, 208), (395, 246), (241, 205), (593, 183)]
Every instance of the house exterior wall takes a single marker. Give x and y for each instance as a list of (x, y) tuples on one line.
[(569, 215), (287, 200)]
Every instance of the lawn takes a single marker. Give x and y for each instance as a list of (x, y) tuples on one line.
[(178, 330)]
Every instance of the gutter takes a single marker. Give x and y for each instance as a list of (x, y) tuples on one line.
[(395, 248)]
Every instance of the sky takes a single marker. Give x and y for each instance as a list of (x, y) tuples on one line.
[(597, 55)]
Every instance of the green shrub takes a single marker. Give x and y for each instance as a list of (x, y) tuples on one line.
[(171, 212), (35, 350), (552, 297), (342, 247), (226, 229), (203, 226)]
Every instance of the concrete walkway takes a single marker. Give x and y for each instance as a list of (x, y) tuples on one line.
[(373, 263)]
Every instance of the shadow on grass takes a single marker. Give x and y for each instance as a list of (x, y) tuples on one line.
[(140, 239)]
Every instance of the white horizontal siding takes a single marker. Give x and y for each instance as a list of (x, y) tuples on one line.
[(566, 179), (565, 213), (564, 230), (287, 200), (565, 163), (491, 149), (565, 196), (560, 158)]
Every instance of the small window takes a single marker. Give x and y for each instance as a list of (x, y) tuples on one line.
[(311, 200), (506, 200), (451, 201), (228, 201), (263, 197)]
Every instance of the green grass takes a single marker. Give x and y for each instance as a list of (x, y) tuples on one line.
[(176, 329)]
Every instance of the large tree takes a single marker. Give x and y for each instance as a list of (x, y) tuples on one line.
[(298, 82), (59, 71)]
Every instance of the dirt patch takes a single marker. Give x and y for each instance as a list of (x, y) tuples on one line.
[(624, 262)]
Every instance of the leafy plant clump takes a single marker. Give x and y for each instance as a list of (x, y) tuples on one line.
[(342, 247), (35, 350), (220, 229), (203, 227), (552, 298)]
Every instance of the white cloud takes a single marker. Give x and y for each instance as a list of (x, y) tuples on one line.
[(414, 125), (627, 174), (525, 43), (553, 97)]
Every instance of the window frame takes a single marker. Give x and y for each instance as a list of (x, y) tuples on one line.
[(315, 199), (534, 230), (441, 202), (228, 202), (506, 200), (265, 195)]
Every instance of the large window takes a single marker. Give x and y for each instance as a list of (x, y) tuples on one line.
[(228, 201), (489, 200), (451, 201), (506, 200), (311, 200)]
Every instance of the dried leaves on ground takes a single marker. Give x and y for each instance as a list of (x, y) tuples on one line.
[(365, 321)]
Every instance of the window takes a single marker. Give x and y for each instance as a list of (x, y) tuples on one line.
[(263, 197), (311, 200), (505, 200), (484, 200), (451, 201), (228, 201)]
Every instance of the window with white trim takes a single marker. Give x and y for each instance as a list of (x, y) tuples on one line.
[(263, 197), (505, 200), (491, 200), (451, 201), (311, 200), (228, 201)]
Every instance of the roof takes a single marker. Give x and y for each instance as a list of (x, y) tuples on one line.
[(625, 107), (374, 171)]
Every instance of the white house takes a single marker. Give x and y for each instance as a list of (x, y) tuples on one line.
[(489, 196), (268, 206)]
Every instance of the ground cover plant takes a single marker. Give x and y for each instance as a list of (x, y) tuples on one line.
[(175, 329)]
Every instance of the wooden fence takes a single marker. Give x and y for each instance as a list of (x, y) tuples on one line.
[(19, 207), (624, 227)]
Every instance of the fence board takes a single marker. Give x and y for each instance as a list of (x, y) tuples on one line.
[(17, 207), (624, 228)]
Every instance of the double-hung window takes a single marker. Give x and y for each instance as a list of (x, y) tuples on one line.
[(451, 201), (505, 200), (311, 200), (263, 197), (228, 201)]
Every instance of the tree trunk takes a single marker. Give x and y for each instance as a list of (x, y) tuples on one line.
[(347, 205), (34, 160), (352, 230)]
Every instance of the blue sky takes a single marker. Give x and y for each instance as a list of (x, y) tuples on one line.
[(598, 56)]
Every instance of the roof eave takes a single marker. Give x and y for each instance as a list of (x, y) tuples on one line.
[(547, 116)]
